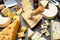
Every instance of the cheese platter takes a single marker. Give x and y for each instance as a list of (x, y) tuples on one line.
[(29, 20)]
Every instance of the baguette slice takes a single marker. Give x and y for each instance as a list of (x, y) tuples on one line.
[(44, 3), (10, 32), (5, 11), (4, 21), (30, 33)]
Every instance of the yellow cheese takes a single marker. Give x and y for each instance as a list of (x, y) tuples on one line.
[(23, 29), (21, 34), (4, 21), (19, 11), (11, 15), (10, 32), (5, 11)]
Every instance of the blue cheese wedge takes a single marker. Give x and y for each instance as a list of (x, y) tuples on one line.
[(55, 30), (36, 34)]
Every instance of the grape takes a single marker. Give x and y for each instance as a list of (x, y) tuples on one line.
[(35, 1), (35, 5), (58, 15), (1, 2)]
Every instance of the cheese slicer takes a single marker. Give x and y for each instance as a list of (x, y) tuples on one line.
[(10, 3)]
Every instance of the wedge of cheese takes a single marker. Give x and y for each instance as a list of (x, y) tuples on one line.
[(4, 21), (44, 3), (30, 33), (5, 11), (10, 32), (31, 22), (51, 12), (55, 30)]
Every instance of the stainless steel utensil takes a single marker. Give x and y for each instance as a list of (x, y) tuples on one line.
[(10, 3)]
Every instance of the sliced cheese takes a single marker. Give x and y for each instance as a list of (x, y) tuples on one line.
[(51, 12), (42, 38), (44, 3), (31, 22), (36, 34), (5, 11), (4, 21), (9, 33)]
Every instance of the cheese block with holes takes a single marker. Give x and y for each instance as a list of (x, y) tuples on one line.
[(31, 22), (10, 32), (51, 12), (44, 3), (4, 21)]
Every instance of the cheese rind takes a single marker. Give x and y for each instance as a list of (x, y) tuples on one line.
[(5, 11), (4, 21)]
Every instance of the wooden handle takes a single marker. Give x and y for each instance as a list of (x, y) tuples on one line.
[(38, 10)]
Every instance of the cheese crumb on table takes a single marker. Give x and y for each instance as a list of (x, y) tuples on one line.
[(23, 29), (21, 34)]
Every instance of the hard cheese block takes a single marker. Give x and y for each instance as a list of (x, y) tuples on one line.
[(31, 22), (10, 32), (55, 30), (5, 11), (4, 21), (44, 3)]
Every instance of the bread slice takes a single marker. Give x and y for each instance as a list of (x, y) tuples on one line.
[(44, 3), (30, 33), (31, 22), (10, 32), (55, 30), (51, 12), (4, 21)]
